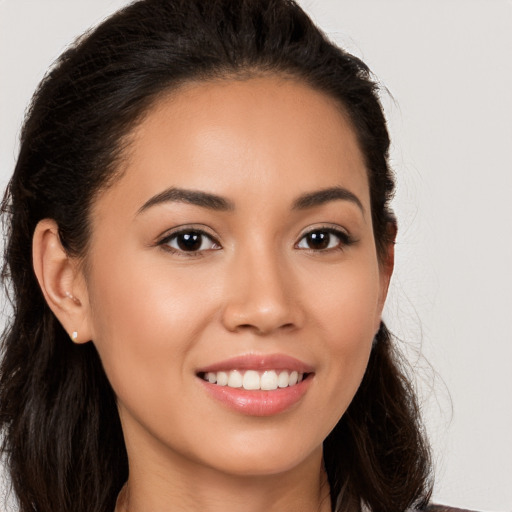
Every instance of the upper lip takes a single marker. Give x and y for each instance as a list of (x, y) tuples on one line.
[(258, 362)]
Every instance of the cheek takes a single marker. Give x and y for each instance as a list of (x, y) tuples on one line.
[(147, 322), (345, 310), (344, 299)]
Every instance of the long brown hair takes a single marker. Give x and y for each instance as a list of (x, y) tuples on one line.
[(62, 438)]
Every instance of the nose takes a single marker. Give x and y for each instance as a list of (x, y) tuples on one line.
[(261, 295)]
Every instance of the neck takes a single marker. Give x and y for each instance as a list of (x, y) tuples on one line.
[(194, 489)]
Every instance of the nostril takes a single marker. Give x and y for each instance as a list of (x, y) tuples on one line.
[(261, 313), (261, 328)]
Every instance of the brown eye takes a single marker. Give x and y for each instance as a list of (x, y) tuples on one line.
[(318, 240), (190, 241), (323, 239)]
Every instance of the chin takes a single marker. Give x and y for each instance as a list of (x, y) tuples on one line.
[(266, 461)]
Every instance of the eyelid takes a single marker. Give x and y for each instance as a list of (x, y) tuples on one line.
[(346, 239), (325, 226), (200, 228), (164, 239)]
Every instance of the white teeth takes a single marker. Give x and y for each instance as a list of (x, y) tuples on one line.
[(251, 380), (283, 379), (267, 380), (235, 379), (222, 378)]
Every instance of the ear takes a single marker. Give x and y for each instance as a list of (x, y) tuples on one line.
[(386, 265), (61, 281)]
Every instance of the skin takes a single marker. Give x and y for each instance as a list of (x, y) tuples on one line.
[(156, 314)]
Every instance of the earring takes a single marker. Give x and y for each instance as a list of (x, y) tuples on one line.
[(74, 336), (72, 297)]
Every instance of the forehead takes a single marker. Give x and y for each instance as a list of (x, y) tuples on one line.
[(243, 137)]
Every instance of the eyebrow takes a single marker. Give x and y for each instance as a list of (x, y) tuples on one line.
[(218, 203), (320, 197), (195, 197)]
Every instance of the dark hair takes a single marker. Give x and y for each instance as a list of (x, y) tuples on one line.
[(63, 442)]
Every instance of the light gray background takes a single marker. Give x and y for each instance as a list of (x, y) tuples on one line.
[(448, 67)]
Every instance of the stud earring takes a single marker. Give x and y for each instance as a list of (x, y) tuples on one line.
[(74, 336), (72, 297)]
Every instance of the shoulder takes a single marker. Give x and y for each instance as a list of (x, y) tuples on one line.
[(444, 508)]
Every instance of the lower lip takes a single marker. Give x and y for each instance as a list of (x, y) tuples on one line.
[(258, 402)]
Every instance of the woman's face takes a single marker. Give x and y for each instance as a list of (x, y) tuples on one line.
[(236, 247)]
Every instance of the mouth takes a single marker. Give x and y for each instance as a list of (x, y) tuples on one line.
[(257, 385), (253, 380)]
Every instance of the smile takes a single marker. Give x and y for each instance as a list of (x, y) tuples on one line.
[(257, 384), (267, 380)]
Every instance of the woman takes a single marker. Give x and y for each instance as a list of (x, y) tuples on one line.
[(201, 203)]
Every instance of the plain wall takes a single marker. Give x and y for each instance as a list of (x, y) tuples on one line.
[(448, 67)]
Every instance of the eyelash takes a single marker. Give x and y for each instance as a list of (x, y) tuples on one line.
[(345, 240), (166, 240)]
